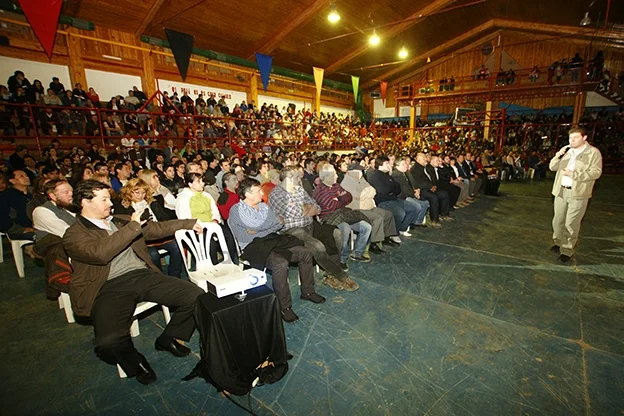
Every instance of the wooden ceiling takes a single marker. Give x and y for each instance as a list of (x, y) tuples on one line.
[(291, 31)]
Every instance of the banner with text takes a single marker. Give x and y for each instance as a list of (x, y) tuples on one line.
[(192, 90)]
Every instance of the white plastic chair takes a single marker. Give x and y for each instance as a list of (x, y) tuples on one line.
[(18, 253), (197, 248)]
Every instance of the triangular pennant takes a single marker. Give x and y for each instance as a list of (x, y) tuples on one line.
[(384, 87), (355, 81), (264, 65), (318, 80), (181, 45), (43, 16)]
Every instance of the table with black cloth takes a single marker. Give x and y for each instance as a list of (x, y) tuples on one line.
[(236, 337)]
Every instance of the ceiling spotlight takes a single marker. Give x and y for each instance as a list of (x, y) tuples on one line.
[(333, 16), (374, 39), (403, 53), (585, 21)]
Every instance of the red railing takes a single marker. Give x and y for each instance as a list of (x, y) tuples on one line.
[(70, 126)]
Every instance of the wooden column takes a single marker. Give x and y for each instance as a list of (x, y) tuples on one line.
[(252, 94), (498, 56), (148, 77), (424, 110), (579, 106), (412, 121), (488, 114), (77, 72)]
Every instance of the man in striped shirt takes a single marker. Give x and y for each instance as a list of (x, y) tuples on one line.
[(297, 210)]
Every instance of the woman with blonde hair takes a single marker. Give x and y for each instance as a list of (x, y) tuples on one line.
[(136, 196), (162, 195)]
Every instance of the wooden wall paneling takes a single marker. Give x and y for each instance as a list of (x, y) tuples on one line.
[(148, 76), (76, 65)]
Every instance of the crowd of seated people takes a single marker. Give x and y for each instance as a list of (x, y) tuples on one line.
[(323, 202), (75, 113)]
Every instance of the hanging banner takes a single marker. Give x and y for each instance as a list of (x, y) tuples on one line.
[(318, 80), (43, 16), (264, 65), (181, 45), (355, 81), (384, 87)]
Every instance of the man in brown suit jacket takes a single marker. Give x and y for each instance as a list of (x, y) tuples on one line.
[(113, 272)]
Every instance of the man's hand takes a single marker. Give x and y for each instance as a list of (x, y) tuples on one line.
[(566, 172), (29, 230), (309, 210), (251, 232), (417, 193), (562, 151), (137, 216), (198, 228), (434, 188)]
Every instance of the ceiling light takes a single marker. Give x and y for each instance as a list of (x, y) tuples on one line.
[(374, 39), (585, 21), (403, 53), (333, 16)]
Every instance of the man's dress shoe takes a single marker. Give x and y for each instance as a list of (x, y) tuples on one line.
[(174, 347), (145, 375)]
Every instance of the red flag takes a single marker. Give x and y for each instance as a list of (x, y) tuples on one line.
[(43, 16), (384, 87)]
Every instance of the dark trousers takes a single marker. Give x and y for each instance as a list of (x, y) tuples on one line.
[(114, 307), (175, 257), (438, 203), (324, 260), (278, 264), (453, 192)]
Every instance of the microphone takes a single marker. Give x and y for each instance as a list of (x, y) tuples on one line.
[(565, 151)]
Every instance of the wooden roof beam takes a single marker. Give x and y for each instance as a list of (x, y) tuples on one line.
[(291, 23), (573, 31), (453, 43), (389, 33), (149, 17)]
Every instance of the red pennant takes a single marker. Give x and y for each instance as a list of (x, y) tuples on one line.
[(384, 87), (43, 16)]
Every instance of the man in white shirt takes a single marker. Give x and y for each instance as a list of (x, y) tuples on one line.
[(54, 217), (578, 166)]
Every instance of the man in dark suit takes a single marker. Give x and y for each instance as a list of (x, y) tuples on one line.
[(442, 180), (168, 151), (138, 154), (439, 207), (469, 171)]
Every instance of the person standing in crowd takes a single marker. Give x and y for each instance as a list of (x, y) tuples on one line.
[(578, 166)]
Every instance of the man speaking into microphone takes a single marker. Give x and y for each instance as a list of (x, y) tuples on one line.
[(578, 165)]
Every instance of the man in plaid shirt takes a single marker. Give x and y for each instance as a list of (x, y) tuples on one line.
[(297, 210)]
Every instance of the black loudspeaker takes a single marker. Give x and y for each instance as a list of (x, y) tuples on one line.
[(4, 41)]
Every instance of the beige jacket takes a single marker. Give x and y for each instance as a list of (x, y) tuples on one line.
[(363, 194), (587, 169)]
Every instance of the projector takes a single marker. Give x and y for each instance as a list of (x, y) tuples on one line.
[(227, 279)]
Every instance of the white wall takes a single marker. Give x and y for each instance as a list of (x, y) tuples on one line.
[(279, 102), (110, 84), (33, 70), (596, 100), (338, 110), (231, 97), (380, 110)]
